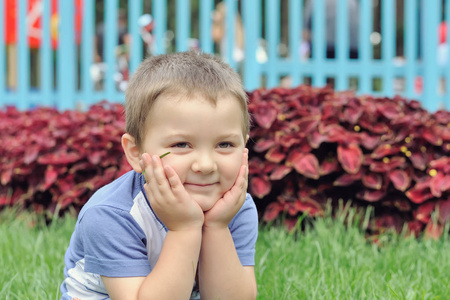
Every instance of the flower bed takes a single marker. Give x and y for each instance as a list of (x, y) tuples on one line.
[(308, 146), (315, 145), (52, 161)]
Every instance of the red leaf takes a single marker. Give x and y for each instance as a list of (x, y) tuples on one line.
[(263, 145), (265, 114), (350, 157), (307, 165), (402, 205), (387, 165), (415, 227), (329, 166), (260, 187), (307, 124), (31, 154), (440, 164), (315, 139), (371, 195), (419, 195), (444, 210), (379, 128), (367, 141), (59, 158), (390, 110), (50, 177), (347, 179), (436, 184), (290, 223), (279, 172), (446, 184), (288, 141), (433, 137), (423, 213), (336, 133), (6, 176), (272, 211), (275, 155), (95, 157), (433, 231), (372, 180), (351, 114), (418, 160), (309, 206), (385, 150), (400, 179)]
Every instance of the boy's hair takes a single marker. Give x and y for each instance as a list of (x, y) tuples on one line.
[(188, 74)]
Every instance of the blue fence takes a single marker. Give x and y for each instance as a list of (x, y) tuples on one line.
[(273, 30)]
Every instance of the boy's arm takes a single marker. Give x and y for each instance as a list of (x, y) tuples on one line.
[(173, 275), (221, 274)]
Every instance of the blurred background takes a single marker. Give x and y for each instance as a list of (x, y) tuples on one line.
[(74, 53)]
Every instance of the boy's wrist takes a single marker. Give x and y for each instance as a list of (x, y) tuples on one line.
[(214, 227), (188, 230)]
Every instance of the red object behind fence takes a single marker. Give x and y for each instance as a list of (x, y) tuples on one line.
[(34, 22)]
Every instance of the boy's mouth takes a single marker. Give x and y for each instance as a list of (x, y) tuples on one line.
[(200, 184)]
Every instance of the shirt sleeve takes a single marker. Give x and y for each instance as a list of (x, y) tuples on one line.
[(114, 244), (244, 230)]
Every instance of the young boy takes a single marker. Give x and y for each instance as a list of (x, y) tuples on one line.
[(147, 236)]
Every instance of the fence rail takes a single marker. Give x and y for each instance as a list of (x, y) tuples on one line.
[(58, 72)]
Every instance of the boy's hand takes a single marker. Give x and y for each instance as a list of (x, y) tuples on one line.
[(168, 198), (220, 215)]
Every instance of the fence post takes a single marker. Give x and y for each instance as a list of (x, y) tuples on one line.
[(87, 50), (2, 56), (295, 37), (252, 21), (388, 44), (273, 39), (183, 13), (160, 15), (447, 73), (410, 47), (319, 43), (23, 82), (206, 43), (365, 46), (46, 69), (429, 11), (66, 55)]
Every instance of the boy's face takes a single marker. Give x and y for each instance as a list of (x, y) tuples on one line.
[(205, 140)]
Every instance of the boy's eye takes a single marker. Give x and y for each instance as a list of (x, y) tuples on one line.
[(180, 145), (225, 145)]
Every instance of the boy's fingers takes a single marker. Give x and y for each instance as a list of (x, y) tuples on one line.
[(160, 176), (174, 181)]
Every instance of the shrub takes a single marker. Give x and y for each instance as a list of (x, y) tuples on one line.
[(308, 146), (313, 145), (52, 160)]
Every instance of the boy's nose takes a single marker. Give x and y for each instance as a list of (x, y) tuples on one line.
[(204, 163)]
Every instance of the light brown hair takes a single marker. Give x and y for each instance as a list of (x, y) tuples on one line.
[(186, 74)]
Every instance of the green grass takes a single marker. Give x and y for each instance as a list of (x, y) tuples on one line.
[(328, 261)]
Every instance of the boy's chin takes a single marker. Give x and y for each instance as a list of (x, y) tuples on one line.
[(205, 202)]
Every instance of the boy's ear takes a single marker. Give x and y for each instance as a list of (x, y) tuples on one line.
[(246, 139), (132, 152)]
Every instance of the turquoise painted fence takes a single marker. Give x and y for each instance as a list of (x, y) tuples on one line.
[(65, 80)]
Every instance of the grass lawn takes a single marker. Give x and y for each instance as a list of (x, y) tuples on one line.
[(330, 261)]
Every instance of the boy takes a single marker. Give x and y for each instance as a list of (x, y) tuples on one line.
[(148, 236)]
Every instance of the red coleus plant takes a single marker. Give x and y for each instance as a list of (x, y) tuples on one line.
[(51, 160), (308, 146), (312, 145)]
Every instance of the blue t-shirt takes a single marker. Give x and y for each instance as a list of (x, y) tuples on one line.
[(118, 235)]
